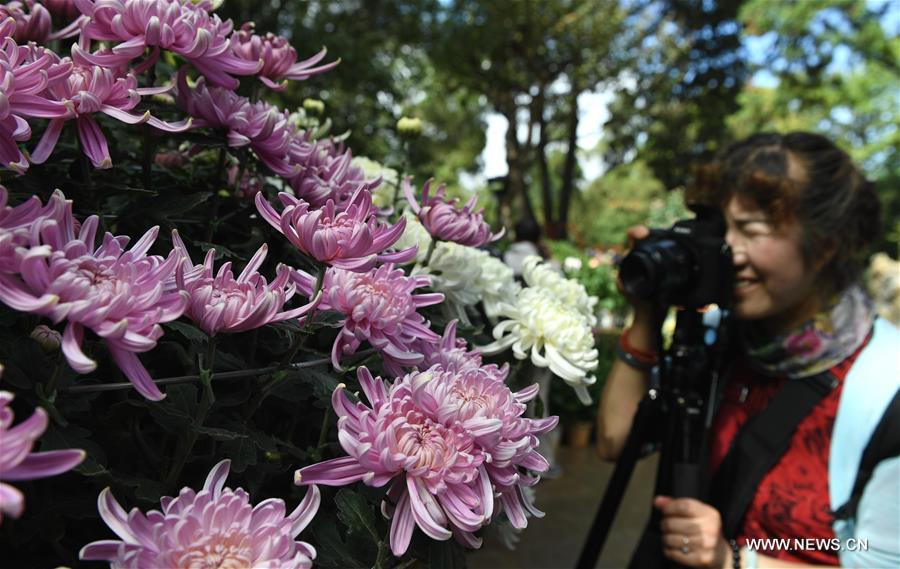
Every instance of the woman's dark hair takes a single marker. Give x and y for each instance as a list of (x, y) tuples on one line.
[(804, 177)]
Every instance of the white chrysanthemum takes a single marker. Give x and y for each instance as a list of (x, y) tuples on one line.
[(467, 276), (555, 335), (571, 293), (497, 284), (414, 234), (383, 195)]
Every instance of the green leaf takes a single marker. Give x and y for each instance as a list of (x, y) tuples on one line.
[(242, 452), (331, 549), (189, 331), (445, 555), (177, 411), (356, 512), (323, 383), (218, 434), (179, 204), (329, 319), (144, 488), (75, 437)]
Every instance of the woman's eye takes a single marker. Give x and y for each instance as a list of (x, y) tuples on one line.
[(757, 228)]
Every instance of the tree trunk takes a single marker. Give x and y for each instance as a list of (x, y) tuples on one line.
[(568, 177), (515, 162), (537, 114)]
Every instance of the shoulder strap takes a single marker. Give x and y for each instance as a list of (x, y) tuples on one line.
[(869, 388), (885, 443), (761, 442)]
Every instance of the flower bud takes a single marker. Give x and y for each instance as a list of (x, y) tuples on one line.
[(314, 107), (48, 338), (409, 127)]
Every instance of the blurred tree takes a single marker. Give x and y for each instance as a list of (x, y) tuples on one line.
[(385, 74), (836, 63), (530, 60), (685, 74), (622, 197)]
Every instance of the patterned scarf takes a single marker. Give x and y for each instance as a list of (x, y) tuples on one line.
[(816, 345)]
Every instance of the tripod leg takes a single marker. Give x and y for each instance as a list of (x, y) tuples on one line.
[(644, 419)]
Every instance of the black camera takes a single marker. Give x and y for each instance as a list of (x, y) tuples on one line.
[(688, 265)]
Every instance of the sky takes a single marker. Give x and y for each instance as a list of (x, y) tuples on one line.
[(593, 113)]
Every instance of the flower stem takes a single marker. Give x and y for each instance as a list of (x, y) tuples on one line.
[(430, 252), (301, 337), (149, 143), (323, 431), (384, 554), (222, 376), (217, 185), (207, 398), (404, 165), (286, 362)]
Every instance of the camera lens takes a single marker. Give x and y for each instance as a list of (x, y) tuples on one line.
[(656, 269)]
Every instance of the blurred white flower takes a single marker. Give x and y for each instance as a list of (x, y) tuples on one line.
[(568, 292), (572, 264), (383, 194), (467, 276), (884, 286), (414, 234), (553, 333)]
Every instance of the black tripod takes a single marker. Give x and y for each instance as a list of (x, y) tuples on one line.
[(675, 413)]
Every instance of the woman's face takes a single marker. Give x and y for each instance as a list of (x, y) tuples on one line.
[(773, 285)]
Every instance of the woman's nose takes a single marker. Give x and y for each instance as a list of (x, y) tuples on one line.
[(738, 248)]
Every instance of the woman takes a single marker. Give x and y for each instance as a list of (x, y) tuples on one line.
[(799, 218)]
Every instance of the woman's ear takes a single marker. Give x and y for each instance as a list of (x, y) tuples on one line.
[(828, 251)]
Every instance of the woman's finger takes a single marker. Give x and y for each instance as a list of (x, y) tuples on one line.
[(682, 526)]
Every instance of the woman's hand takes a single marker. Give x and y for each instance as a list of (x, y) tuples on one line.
[(692, 533)]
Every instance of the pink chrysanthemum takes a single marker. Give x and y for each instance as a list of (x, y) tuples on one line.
[(480, 401), (379, 307), (63, 9), (120, 295), (183, 27), (17, 462), (215, 527), (325, 173), (33, 21), (222, 303), (353, 239), (445, 221), (448, 441), (438, 472), (25, 73), (278, 57), (19, 224), (451, 353), (259, 125), (93, 89)]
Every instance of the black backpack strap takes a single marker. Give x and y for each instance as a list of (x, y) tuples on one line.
[(884, 444), (760, 443)]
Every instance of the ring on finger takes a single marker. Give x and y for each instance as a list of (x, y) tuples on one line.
[(685, 544)]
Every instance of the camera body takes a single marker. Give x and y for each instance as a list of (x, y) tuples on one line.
[(688, 265)]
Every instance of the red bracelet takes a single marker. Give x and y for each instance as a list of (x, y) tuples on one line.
[(642, 356)]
